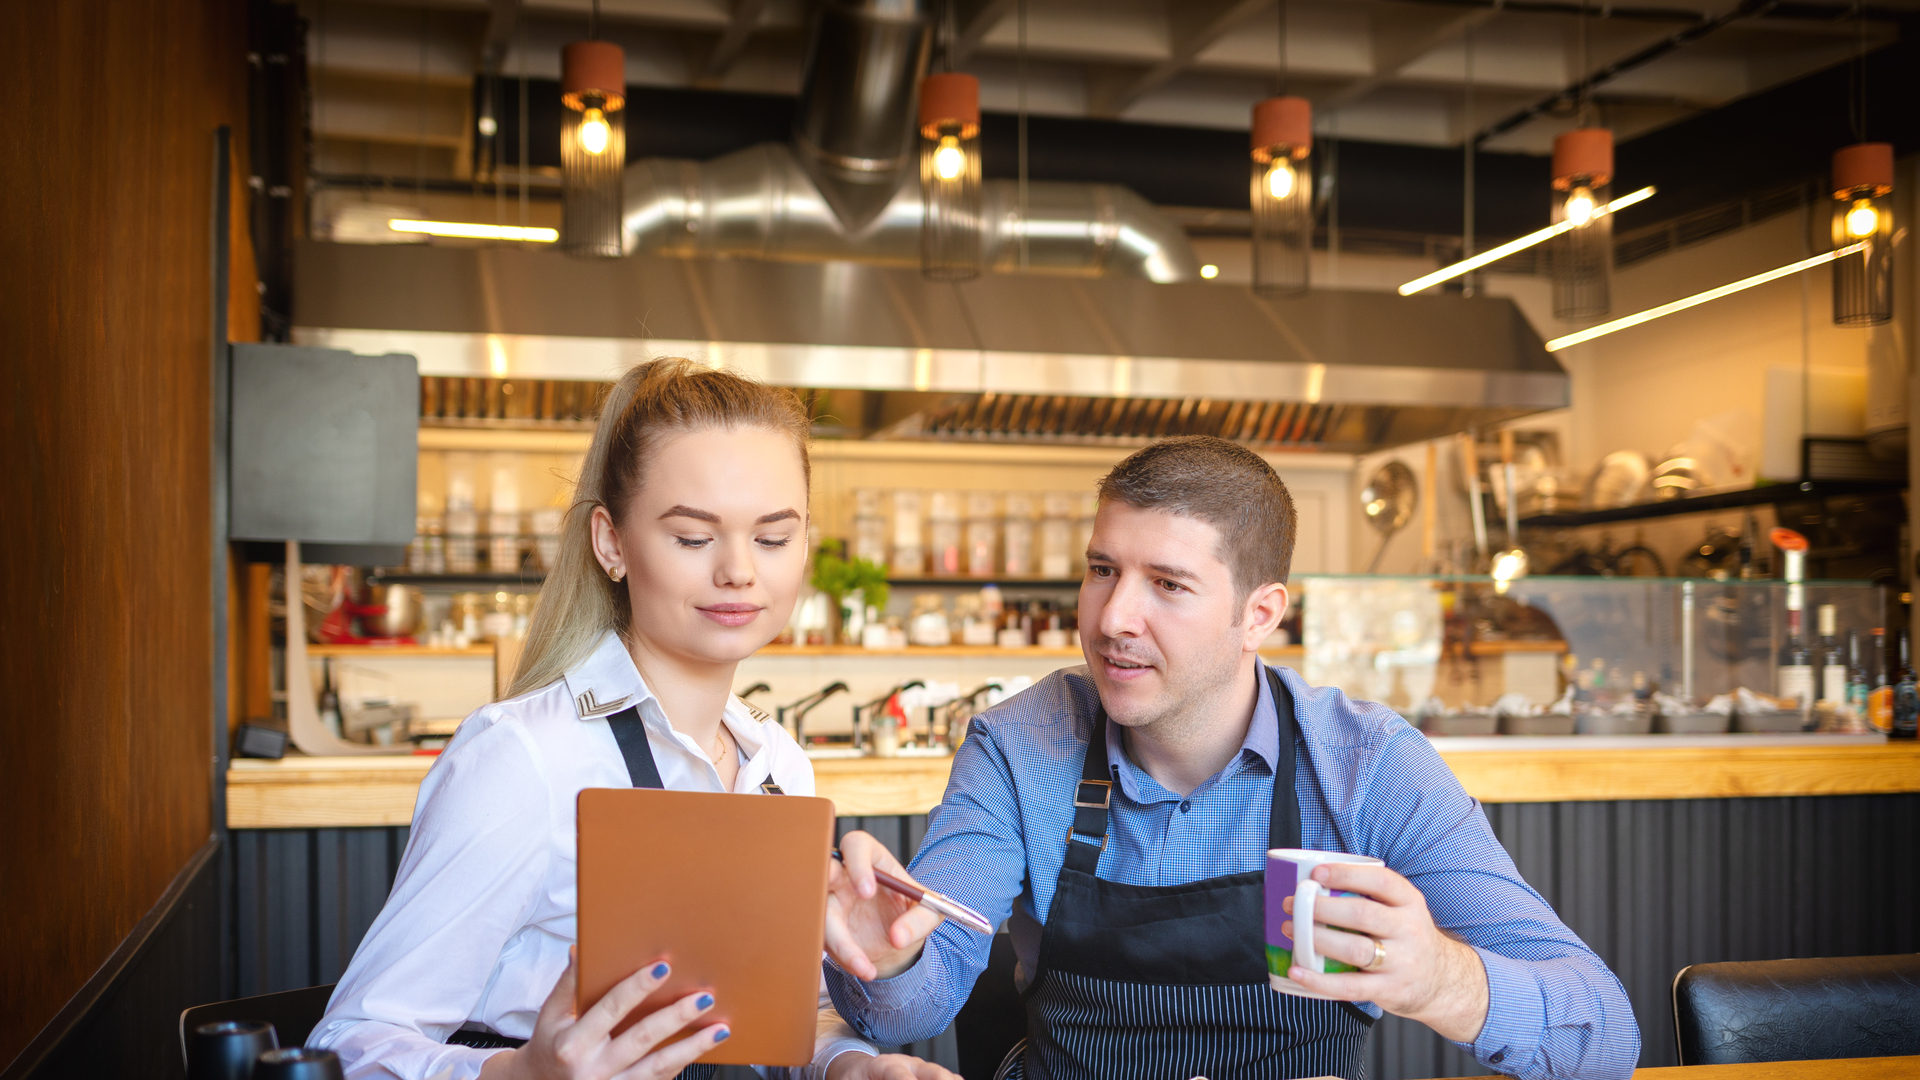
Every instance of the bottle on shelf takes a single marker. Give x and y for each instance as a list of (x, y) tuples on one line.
[(1831, 661), (1793, 677), (1906, 695), (1857, 685), (1879, 687)]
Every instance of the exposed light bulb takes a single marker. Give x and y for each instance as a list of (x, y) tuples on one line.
[(1280, 178), (1209, 271), (594, 132), (488, 126), (949, 160), (1580, 207), (1863, 220)]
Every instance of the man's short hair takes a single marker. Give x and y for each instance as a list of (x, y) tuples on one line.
[(1223, 484)]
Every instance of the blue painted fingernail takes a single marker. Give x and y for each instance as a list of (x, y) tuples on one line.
[(721, 1035), (659, 971), (704, 1002)]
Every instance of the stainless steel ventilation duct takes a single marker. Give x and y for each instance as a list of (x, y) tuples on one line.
[(848, 188), (761, 202)]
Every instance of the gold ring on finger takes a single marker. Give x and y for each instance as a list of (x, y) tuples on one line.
[(1379, 956)]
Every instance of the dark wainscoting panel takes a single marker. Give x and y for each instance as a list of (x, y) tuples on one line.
[(1656, 886), (132, 1029), (1652, 886)]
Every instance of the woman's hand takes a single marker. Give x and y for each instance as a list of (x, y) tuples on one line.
[(569, 1047), (873, 933), (857, 1066)]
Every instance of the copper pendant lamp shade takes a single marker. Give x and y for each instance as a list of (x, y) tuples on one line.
[(1863, 214), (951, 223), (1280, 190), (593, 147), (1580, 260)]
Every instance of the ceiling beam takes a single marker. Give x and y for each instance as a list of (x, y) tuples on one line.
[(976, 20), (1192, 27), (503, 21), (741, 21), (1572, 94), (1392, 58)]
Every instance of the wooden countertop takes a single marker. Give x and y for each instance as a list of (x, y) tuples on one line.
[(309, 792)]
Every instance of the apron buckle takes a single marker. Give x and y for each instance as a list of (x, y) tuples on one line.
[(1104, 791)]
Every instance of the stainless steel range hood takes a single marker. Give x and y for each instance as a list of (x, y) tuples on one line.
[(1023, 357)]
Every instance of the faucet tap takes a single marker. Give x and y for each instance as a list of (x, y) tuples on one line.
[(867, 710), (799, 709)]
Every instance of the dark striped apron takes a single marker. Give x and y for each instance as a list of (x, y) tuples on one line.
[(631, 733), (1139, 982)]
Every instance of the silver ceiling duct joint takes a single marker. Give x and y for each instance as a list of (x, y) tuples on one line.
[(846, 187)]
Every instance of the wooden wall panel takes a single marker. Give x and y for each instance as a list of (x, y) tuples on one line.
[(105, 352)]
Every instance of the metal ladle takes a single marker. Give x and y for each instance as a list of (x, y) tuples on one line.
[(1511, 564), (1388, 501)]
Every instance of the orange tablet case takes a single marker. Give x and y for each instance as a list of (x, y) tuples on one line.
[(730, 889)]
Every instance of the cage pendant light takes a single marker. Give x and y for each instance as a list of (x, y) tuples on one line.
[(951, 225), (1281, 191), (1580, 259), (1863, 214), (593, 147)]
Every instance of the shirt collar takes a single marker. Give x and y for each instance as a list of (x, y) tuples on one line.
[(1262, 743), (607, 683)]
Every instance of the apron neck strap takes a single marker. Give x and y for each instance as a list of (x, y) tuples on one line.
[(1093, 794), (631, 733)]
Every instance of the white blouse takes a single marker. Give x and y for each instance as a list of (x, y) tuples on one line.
[(481, 915)]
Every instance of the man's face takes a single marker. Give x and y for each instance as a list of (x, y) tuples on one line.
[(1161, 628)]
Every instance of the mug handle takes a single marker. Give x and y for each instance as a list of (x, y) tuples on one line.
[(1303, 952)]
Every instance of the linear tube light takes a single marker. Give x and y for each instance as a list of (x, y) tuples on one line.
[(473, 231), (1492, 255), (1697, 299)]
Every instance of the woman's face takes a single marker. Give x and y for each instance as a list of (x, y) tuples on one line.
[(713, 545)]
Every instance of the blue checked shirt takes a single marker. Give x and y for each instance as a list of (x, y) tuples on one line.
[(1367, 784)]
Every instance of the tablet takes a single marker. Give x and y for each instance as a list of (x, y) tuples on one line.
[(730, 889)]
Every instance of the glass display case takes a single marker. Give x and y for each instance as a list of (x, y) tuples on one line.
[(1583, 655)]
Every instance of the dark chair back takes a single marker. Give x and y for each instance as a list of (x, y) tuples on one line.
[(1798, 1010), (293, 1013), (993, 1019)]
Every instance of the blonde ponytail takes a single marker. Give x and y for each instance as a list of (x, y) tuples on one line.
[(579, 603)]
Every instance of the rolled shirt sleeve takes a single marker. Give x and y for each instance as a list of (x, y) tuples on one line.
[(1554, 1010), (469, 881), (975, 852)]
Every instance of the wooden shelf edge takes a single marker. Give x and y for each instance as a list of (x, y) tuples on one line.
[(350, 792)]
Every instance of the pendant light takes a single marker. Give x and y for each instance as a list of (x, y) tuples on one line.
[(593, 146), (1280, 186), (1581, 257), (1863, 219), (1281, 191), (950, 217)]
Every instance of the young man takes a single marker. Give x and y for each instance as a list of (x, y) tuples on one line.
[(1120, 814)]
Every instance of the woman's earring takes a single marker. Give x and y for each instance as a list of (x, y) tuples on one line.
[(614, 572)]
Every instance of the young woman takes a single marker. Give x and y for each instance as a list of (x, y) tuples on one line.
[(683, 554)]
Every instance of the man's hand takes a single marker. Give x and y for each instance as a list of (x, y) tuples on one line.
[(1425, 975), (857, 1066), (872, 932)]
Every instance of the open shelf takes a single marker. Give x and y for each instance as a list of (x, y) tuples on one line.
[(1721, 500)]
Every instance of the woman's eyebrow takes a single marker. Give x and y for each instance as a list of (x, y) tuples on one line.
[(712, 518), (689, 512)]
